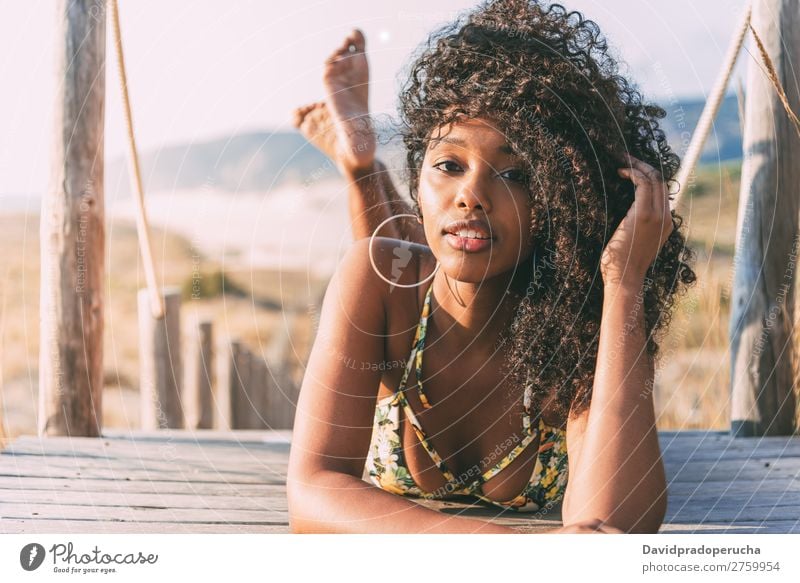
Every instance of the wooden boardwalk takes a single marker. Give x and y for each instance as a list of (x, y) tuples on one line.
[(222, 482)]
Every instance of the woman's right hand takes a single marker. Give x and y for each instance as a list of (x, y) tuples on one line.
[(593, 526)]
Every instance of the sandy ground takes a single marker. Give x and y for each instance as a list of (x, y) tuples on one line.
[(293, 228)]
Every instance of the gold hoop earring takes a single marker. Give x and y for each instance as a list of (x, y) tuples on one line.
[(375, 268)]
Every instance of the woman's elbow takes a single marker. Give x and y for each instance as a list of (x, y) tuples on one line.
[(297, 496), (652, 518), (307, 503), (299, 523)]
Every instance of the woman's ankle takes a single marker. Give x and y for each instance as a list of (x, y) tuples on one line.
[(360, 171)]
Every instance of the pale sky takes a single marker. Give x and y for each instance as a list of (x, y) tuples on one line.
[(207, 68)]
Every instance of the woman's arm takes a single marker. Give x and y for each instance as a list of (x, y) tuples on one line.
[(615, 467), (617, 473), (335, 410), (372, 199)]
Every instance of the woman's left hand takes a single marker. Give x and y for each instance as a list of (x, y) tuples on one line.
[(644, 230)]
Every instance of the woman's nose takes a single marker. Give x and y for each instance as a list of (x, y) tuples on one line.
[(472, 193)]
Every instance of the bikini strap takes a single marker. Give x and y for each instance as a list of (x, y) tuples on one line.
[(416, 357), (417, 345), (527, 399), (422, 331)]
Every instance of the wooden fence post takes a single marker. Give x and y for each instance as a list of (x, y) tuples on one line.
[(227, 377), (73, 231), (259, 382), (199, 376), (160, 362), (762, 307), (281, 389)]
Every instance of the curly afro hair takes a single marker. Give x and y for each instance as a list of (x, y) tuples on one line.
[(545, 77)]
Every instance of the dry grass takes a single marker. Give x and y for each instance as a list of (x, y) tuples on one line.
[(251, 312), (692, 383)]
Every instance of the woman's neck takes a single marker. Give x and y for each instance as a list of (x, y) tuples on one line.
[(474, 315)]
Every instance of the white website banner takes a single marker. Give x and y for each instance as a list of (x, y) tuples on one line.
[(227, 558)]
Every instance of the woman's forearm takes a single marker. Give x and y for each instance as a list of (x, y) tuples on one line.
[(620, 475), (335, 502)]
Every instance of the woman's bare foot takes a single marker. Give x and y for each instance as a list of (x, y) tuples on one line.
[(314, 122), (346, 81)]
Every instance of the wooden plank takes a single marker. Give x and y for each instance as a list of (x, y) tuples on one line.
[(751, 500), (275, 475), (141, 514), (743, 527), (162, 453), (165, 469), (760, 488), (702, 513), (154, 450), (204, 437), (726, 467), (275, 501), (123, 487), (39, 526), (763, 455), (682, 445)]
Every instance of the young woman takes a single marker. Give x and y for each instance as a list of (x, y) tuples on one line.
[(504, 339)]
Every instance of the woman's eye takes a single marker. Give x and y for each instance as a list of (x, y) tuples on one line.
[(447, 166), (514, 174)]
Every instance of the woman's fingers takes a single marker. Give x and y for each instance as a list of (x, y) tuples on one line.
[(589, 527), (608, 529), (643, 203), (660, 193)]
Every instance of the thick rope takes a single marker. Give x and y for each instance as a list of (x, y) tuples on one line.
[(142, 228), (711, 108)]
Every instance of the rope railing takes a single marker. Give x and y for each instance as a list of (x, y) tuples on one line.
[(711, 108), (142, 227)]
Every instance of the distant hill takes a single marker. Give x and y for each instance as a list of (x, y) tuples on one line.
[(263, 161), (725, 140), (257, 161)]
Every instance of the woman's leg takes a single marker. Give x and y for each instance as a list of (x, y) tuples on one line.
[(341, 128)]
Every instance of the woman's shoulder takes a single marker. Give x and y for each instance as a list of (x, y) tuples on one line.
[(399, 262)]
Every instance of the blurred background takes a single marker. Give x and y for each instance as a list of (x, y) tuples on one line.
[(249, 220)]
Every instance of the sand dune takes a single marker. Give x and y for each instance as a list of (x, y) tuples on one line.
[(295, 227)]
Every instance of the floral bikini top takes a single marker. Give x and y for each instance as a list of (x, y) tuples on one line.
[(385, 462)]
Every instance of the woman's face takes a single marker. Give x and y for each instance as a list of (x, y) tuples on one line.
[(469, 173)]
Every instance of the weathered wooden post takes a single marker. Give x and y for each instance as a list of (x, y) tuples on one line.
[(282, 391), (73, 232), (227, 373), (763, 401), (259, 383), (160, 377), (222, 389), (198, 397), (253, 403)]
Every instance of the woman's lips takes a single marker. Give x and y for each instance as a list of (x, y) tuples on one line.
[(468, 244)]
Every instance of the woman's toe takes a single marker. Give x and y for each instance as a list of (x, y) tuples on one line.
[(357, 39)]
